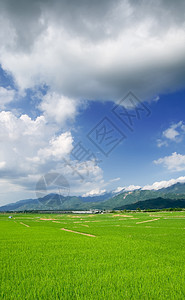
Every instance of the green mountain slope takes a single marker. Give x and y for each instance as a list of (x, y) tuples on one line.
[(157, 203), (175, 192)]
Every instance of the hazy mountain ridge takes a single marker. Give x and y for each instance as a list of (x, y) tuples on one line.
[(105, 201), (56, 201)]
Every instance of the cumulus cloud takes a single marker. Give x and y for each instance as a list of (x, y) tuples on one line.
[(6, 96), (95, 192), (33, 147), (2, 164), (171, 133), (118, 189), (175, 133), (174, 162), (132, 188), (113, 47), (22, 137), (58, 147), (11, 191), (129, 188), (155, 186), (58, 108), (163, 184)]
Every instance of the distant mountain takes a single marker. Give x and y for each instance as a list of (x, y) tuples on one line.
[(158, 203), (57, 202), (106, 201)]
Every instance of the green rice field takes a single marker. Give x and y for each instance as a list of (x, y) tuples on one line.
[(106, 256)]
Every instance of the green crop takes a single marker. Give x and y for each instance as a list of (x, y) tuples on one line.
[(127, 258)]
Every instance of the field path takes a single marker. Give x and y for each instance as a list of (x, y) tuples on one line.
[(87, 234), (123, 216), (147, 221), (24, 224)]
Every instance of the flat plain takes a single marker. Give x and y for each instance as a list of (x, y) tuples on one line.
[(107, 256)]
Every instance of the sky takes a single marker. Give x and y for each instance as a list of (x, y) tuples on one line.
[(92, 92)]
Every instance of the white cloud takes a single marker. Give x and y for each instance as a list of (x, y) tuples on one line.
[(163, 184), (95, 192), (58, 108), (132, 188), (155, 186), (114, 179), (174, 133), (111, 48), (2, 164), (13, 128), (11, 192), (174, 162), (6, 96), (32, 148), (118, 189), (161, 143), (171, 133), (58, 148), (127, 188), (29, 144), (156, 99)]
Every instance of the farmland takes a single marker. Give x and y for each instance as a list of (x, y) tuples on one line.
[(109, 256)]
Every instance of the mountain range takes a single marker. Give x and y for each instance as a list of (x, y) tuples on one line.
[(173, 196)]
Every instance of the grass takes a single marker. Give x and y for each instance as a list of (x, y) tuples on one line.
[(124, 261)]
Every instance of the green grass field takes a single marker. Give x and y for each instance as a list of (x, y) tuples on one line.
[(127, 258)]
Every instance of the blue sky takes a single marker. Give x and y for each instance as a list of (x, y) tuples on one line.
[(60, 82)]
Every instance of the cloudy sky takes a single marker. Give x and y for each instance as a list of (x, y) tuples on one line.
[(92, 90)]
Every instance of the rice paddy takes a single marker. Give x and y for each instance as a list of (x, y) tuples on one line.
[(109, 256)]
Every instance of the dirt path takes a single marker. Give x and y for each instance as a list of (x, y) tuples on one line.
[(123, 216), (46, 219), (87, 234), (24, 224), (147, 221)]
